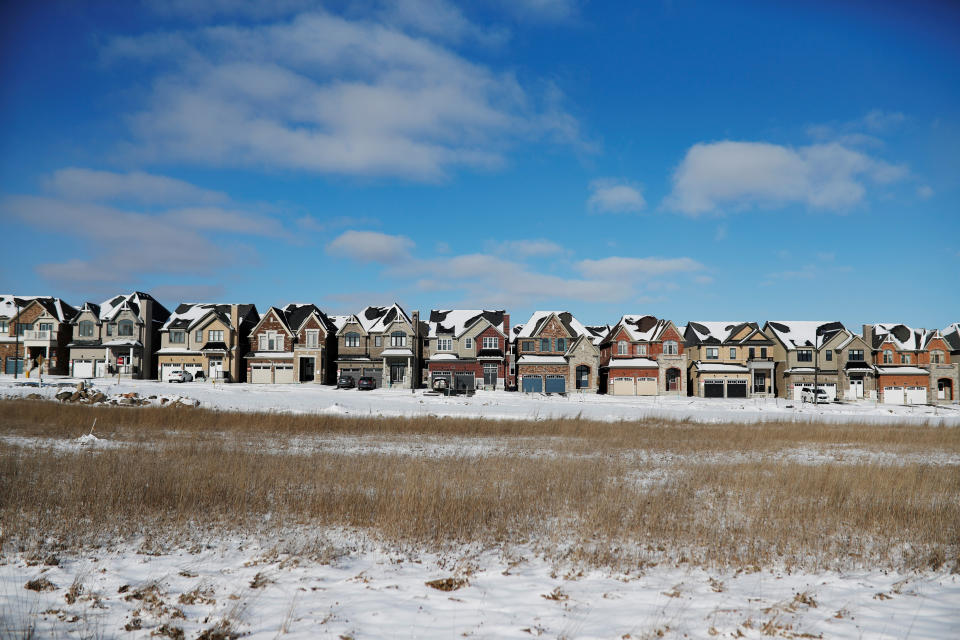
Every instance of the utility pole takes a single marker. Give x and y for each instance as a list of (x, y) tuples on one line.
[(816, 365), (16, 332)]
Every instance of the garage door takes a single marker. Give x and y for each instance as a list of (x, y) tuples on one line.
[(464, 381), (283, 374), (165, 369), (101, 368), (260, 374), (12, 363), (646, 386), (916, 395), (83, 368), (622, 387), (376, 373), (193, 369), (532, 384), (556, 384), (736, 388), (714, 389), (893, 395), (355, 373)]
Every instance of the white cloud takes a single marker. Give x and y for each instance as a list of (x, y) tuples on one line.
[(744, 174), (615, 195), (530, 248), (925, 191), (880, 120), (371, 246), (439, 19), (327, 94), (620, 268), (89, 185)]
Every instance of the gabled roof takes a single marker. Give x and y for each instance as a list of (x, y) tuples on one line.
[(110, 309), (639, 328), (539, 319), (8, 304), (803, 333), (712, 332), (296, 314), (903, 337), (951, 335), (189, 314), (56, 307), (598, 332), (88, 307), (454, 322), (377, 319)]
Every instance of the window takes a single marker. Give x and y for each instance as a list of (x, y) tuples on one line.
[(804, 355), (526, 345), (45, 326), (23, 326), (751, 352), (622, 347), (670, 347), (444, 344), (468, 343), (544, 344), (378, 341), (733, 353), (109, 329), (641, 349), (905, 358), (763, 352), (561, 344), (855, 355), (398, 339), (215, 336), (887, 356), (829, 355), (313, 338), (713, 353), (936, 357), (351, 339), (176, 337), (4, 327), (125, 328), (270, 341), (198, 336), (491, 342), (86, 329)]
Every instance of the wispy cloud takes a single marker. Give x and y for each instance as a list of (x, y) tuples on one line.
[(90, 185), (615, 195)]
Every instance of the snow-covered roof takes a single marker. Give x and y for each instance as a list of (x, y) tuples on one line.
[(640, 328), (187, 314), (598, 332), (8, 308), (56, 307), (176, 351), (437, 357), (902, 371), (951, 335), (717, 367), (633, 362), (269, 354), (122, 343), (397, 352), (903, 337), (539, 318), (377, 319), (804, 333), (711, 331), (340, 321), (455, 321), (535, 359)]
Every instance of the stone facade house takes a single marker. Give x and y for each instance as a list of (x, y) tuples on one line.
[(294, 344), (732, 359), (117, 337), (208, 340), (556, 354), (802, 356), (914, 366), (467, 349), (643, 355), (382, 343), (34, 335)]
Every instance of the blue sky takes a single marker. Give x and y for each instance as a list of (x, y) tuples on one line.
[(694, 161)]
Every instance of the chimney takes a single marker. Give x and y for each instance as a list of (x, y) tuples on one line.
[(506, 325), (417, 352), (868, 335)]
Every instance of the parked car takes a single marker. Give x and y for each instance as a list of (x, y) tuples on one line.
[(440, 384), (345, 382), (366, 383), (807, 395), (179, 375)]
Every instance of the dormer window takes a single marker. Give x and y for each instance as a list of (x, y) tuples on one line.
[(86, 329)]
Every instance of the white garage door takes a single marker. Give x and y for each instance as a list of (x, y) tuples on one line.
[(83, 368), (101, 368), (829, 388), (165, 369), (260, 374), (916, 395), (283, 374), (622, 387), (193, 369), (646, 386), (893, 395)]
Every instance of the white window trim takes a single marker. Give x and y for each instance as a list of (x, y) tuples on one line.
[(468, 343), (444, 344)]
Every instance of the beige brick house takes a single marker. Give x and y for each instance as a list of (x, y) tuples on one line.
[(467, 349), (555, 353), (208, 340), (382, 343), (729, 359), (292, 344)]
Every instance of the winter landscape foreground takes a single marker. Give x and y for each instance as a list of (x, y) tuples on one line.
[(271, 513)]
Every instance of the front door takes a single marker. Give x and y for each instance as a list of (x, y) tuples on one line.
[(216, 368), (856, 388), (306, 369), (490, 375), (760, 382), (397, 372)]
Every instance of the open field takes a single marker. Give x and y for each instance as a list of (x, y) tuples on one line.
[(627, 527)]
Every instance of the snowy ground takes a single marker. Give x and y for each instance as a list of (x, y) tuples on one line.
[(341, 585), (499, 405)]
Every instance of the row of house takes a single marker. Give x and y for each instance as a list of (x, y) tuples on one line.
[(135, 336)]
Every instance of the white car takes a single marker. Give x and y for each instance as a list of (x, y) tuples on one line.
[(806, 395), (178, 375)]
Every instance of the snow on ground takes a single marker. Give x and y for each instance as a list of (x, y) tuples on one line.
[(341, 585), (502, 405)]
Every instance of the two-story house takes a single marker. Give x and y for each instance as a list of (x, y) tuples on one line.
[(555, 354), (292, 344), (467, 349), (35, 333), (208, 340), (913, 366), (117, 337), (732, 359), (382, 343), (643, 355), (801, 356)]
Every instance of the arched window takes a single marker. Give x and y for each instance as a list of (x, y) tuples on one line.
[(86, 329), (351, 339), (125, 328), (398, 339), (623, 348)]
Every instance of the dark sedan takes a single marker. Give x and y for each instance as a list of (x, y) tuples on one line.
[(366, 383), (345, 382)]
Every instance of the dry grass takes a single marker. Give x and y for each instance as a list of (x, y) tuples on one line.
[(588, 509)]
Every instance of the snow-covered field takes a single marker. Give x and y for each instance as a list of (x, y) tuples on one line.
[(501, 405), (341, 585)]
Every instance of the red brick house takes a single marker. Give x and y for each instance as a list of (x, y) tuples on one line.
[(914, 366), (643, 356), (35, 330), (468, 349)]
